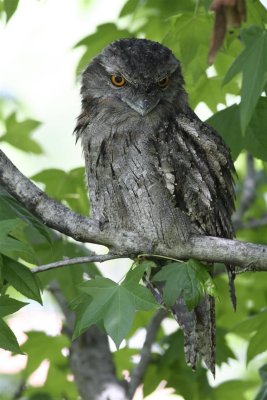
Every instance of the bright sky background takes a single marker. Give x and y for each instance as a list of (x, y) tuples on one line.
[(37, 67)]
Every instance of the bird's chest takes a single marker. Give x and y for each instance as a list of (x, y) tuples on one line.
[(127, 173), (125, 155)]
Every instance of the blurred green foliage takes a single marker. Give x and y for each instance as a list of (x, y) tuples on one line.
[(238, 77)]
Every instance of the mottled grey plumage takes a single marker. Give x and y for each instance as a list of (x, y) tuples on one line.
[(153, 167)]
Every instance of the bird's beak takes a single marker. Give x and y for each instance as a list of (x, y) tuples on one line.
[(143, 105)]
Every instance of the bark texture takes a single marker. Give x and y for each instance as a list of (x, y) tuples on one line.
[(93, 368)]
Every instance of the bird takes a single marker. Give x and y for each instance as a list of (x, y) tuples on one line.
[(153, 167)]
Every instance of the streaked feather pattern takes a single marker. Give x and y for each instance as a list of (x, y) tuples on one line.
[(164, 173)]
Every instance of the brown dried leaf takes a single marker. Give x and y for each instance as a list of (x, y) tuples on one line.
[(228, 14)]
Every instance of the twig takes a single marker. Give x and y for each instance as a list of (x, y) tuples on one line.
[(145, 355), (76, 260), (249, 268)]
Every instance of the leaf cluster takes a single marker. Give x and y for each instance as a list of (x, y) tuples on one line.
[(25, 241)]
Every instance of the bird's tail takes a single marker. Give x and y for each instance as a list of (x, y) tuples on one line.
[(198, 327), (231, 276)]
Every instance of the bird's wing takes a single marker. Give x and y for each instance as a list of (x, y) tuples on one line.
[(198, 172)]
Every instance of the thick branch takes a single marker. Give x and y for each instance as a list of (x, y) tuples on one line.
[(129, 244), (213, 249)]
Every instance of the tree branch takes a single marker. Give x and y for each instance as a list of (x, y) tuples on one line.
[(76, 260), (145, 355), (122, 243)]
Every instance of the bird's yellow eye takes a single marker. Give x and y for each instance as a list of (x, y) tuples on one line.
[(118, 80), (163, 83)]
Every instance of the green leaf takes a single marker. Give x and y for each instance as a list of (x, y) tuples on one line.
[(135, 274), (254, 325), (227, 124), (69, 186), (8, 245), (114, 304), (23, 280), (189, 279), (58, 384), (257, 344), (141, 297), (256, 13), (223, 351), (94, 43), (251, 324), (170, 8), (9, 305), (123, 360), (238, 64), (69, 277), (119, 316), (98, 286), (233, 389), (102, 290), (34, 348), (252, 62), (18, 134), (160, 7), (255, 137), (10, 208), (142, 318), (146, 264), (129, 7), (8, 340), (189, 37), (208, 90), (10, 7)]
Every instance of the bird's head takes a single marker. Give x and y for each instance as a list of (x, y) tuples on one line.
[(140, 73)]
